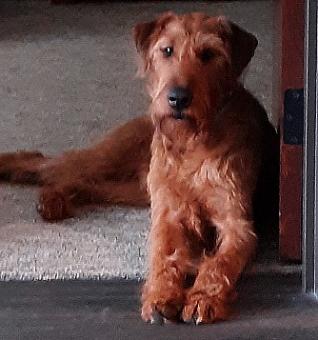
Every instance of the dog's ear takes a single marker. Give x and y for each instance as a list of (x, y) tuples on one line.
[(146, 33), (142, 36), (242, 45), (142, 33)]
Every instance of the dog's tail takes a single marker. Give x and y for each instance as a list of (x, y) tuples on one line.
[(23, 167)]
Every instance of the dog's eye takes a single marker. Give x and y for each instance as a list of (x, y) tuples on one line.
[(206, 55), (167, 51)]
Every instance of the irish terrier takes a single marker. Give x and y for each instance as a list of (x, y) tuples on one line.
[(205, 159)]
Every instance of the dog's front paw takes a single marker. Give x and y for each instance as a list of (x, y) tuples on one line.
[(53, 206), (158, 312), (162, 306), (202, 308)]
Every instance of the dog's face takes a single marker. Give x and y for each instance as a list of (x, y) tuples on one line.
[(191, 61)]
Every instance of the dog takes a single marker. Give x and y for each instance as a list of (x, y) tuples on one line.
[(205, 158)]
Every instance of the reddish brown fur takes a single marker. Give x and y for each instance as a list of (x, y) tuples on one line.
[(203, 169)]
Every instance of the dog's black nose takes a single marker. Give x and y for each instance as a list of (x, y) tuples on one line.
[(179, 98)]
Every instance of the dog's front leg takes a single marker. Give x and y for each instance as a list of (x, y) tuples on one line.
[(163, 292), (214, 289)]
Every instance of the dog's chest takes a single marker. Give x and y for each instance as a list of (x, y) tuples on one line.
[(195, 177), (196, 173), (203, 176)]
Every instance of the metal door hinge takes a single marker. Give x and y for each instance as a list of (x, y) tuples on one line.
[(293, 121)]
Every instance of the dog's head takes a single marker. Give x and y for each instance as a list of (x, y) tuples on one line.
[(191, 61)]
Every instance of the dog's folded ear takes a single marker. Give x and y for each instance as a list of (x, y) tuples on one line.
[(142, 33), (242, 44), (142, 36)]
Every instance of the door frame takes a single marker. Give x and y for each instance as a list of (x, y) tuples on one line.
[(310, 164), (291, 22)]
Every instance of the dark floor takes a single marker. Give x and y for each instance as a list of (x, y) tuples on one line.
[(268, 308)]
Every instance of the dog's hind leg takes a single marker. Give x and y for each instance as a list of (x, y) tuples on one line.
[(60, 202), (113, 171), (23, 167), (123, 154)]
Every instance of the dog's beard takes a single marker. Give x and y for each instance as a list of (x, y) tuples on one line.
[(178, 135), (192, 122), (174, 128)]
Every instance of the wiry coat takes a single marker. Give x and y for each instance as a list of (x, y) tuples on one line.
[(207, 175)]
